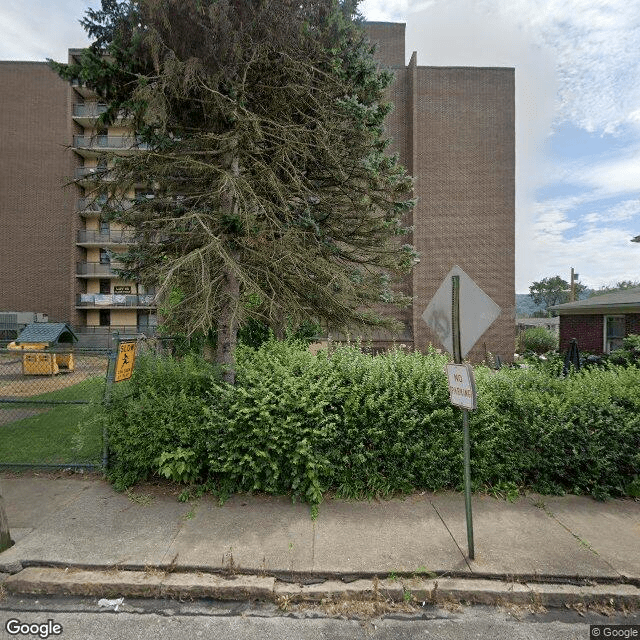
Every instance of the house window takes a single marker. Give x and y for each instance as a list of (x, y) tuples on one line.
[(613, 333)]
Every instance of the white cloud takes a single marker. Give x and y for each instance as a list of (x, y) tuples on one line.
[(551, 224), (598, 246), (600, 255), (37, 29), (616, 177), (381, 11), (596, 44), (613, 175)]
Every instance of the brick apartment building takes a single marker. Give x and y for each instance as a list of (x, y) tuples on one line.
[(454, 128)]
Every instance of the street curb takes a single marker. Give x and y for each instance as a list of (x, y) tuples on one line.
[(156, 583)]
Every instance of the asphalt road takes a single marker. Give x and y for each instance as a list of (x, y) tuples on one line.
[(82, 619)]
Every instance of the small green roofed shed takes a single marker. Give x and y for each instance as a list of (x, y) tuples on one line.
[(51, 333)]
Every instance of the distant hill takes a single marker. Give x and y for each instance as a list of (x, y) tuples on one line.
[(526, 307)]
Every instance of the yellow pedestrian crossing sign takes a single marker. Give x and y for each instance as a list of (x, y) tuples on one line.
[(124, 363)]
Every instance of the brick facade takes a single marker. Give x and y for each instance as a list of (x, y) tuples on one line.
[(37, 222), (588, 330), (454, 129), (632, 322)]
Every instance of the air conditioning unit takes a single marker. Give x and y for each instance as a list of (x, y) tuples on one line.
[(21, 318)]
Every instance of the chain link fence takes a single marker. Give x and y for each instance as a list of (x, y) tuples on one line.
[(49, 401)]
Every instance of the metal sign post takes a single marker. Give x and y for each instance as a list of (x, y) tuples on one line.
[(466, 446), (459, 322)]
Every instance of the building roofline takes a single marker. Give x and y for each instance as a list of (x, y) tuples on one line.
[(607, 309), (626, 300), (404, 24), (24, 62), (464, 68)]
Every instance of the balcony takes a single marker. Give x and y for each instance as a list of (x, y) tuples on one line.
[(87, 176), (93, 146), (98, 269), (86, 113), (83, 89), (110, 301), (147, 329), (102, 238), (93, 206)]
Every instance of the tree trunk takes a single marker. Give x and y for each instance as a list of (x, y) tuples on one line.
[(5, 536), (279, 327), (227, 322), (228, 330)]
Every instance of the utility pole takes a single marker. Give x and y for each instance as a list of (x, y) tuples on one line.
[(574, 279)]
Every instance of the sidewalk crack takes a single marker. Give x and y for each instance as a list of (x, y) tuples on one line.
[(451, 534), (540, 504)]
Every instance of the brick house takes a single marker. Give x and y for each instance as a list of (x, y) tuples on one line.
[(600, 323)]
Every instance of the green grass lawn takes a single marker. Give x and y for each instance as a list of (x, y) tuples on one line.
[(60, 434)]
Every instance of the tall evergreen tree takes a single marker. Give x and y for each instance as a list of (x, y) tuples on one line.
[(273, 197)]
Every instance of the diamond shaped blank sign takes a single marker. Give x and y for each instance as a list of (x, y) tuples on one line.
[(477, 312)]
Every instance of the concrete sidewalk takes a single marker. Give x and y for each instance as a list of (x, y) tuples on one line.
[(82, 523)]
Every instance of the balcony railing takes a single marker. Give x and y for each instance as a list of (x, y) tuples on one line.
[(92, 172), (147, 329), (107, 237), (98, 268), (113, 300), (109, 142), (89, 110), (82, 88), (93, 204)]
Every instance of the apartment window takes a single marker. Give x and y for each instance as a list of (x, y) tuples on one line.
[(105, 317), (104, 226), (102, 138), (147, 318), (614, 327), (105, 256), (105, 286)]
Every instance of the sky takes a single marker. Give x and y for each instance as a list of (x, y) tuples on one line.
[(577, 68)]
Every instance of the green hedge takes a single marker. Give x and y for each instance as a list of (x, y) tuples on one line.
[(366, 426)]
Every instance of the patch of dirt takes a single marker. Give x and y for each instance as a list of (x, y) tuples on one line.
[(13, 383), (8, 416)]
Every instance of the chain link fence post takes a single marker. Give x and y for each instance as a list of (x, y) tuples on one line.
[(111, 375)]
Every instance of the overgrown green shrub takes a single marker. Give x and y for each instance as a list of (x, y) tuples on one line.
[(630, 352), (537, 339), (161, 409), (365, 426)]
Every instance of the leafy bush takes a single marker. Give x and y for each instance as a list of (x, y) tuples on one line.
[(630, 352), (538, 339), (161, 409), (364, 426)]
